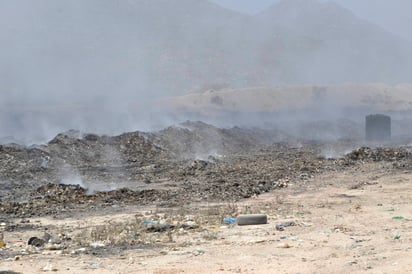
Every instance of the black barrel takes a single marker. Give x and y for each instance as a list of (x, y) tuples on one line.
[(378, 127)]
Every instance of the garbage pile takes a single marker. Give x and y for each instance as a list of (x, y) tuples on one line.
[(379, 154), (195, 162)]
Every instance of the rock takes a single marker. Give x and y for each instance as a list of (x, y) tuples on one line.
[(283, 245)]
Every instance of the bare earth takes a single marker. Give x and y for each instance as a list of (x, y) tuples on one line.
[(344, 224)]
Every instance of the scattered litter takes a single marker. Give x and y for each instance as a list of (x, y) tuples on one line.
[(282, 237), (55, 246), (190, 225), (153, 226), (97, 244), (149, 222), (198, 252), (398, 218), (281, 226), (48, 268), (159, 227), (2, 229), (78, 251), (229, 220), (94, 265)]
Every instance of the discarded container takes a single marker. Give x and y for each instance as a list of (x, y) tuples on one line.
[(378, 127), (252, 219), (397, 218)]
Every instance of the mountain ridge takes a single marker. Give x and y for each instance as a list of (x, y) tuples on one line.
[(193, 44)]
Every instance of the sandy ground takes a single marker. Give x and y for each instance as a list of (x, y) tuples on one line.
[(344, 224)]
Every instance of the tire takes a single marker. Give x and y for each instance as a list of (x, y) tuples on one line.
[(37, 242), (252, 219)]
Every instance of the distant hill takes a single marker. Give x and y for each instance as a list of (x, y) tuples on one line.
[(166, 46), (329, 99), (325, 43)]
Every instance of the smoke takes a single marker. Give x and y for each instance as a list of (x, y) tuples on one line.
[(106, 66), (70, 176), (74, 179), (71, 65), (90, 187)]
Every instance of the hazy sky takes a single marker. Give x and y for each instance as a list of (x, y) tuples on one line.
[(393, 15), (246, 6)]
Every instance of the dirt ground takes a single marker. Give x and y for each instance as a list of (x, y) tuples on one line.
[(356, 220)]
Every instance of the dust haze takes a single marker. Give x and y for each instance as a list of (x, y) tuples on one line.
[(131, 131), (109, 66)]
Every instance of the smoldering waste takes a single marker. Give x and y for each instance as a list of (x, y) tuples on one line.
[(193, 162)]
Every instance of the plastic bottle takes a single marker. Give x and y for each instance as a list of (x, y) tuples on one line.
[(229, 220)]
